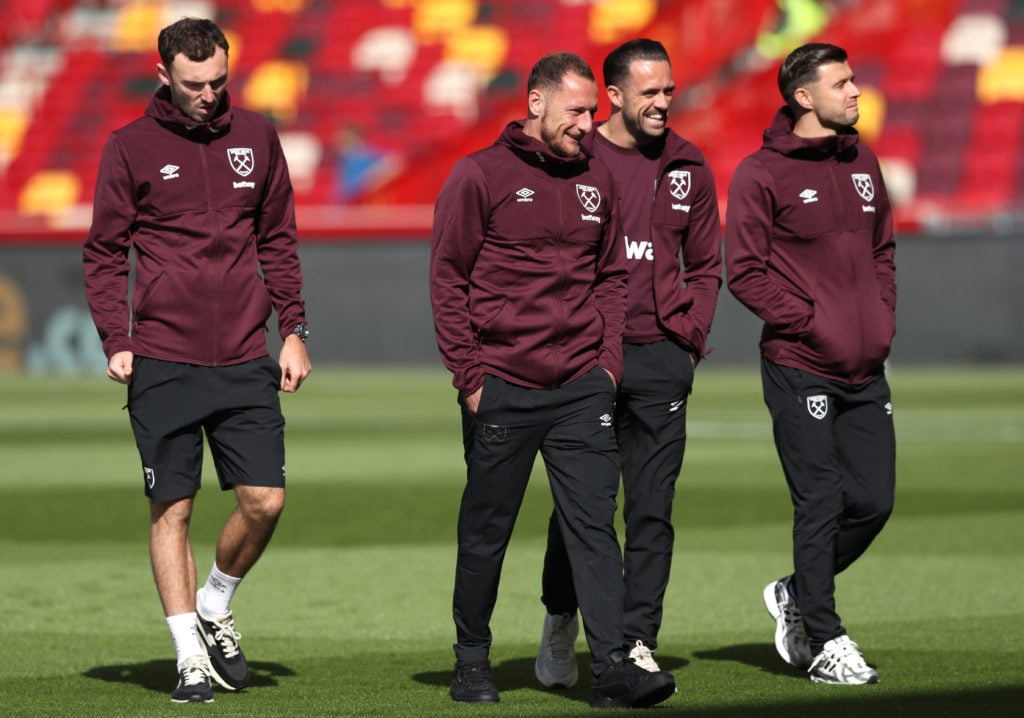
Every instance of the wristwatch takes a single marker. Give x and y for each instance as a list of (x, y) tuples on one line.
[(301, 330)]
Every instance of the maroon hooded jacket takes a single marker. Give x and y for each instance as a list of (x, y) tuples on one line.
[(684, 219), (809, 249), (209, 209), (527, 281)]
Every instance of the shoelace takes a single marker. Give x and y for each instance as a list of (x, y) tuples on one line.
[(643, 657), (227, 636), (560, 644), (194, 672), (475, 675)]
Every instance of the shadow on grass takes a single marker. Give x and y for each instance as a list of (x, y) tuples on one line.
[(517, 674), (759, 655), (160, 675)]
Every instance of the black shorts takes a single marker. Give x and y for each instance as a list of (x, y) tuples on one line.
[(172, 404)]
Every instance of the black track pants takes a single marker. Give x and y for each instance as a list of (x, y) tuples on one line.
[(838, 450)]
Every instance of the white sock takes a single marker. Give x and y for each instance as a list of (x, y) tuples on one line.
[(215, 595), (183, 631)]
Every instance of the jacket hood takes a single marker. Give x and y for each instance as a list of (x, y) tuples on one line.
[(163, 110), (670, 147), (538, 154), (780, 138)]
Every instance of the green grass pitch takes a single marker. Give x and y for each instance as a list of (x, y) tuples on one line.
[(348, 612)]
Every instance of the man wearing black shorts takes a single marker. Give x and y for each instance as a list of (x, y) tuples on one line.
[(201, 191)]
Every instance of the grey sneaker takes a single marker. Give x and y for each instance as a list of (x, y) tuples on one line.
[(555, 666), (841, 663), (790, 635), (644, 657), (194, 681), (220, 639)]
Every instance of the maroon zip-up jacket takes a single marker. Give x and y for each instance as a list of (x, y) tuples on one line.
[(684, 219), (809, 248), (527, 282), (208, 208)]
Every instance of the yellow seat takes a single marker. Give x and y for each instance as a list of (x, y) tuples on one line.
[(614, 20), (275, 88), (50, 193), (285, 6), (482, 46), (1003, 79), (13, 124), (136, 26), (871, 104), (434, 20)]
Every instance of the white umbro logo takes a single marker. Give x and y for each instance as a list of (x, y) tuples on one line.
[(809, 195), (169, 171), (606, 419), (676, 405), (525, 195)]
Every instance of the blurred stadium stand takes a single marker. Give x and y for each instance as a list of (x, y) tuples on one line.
[(375, 99)]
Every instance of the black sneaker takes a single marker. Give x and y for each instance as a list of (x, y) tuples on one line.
[(472, 683), (629, 686), (227, 662), (194, 681)]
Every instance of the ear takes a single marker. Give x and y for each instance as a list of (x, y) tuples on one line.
[(615, 96), (804, 98), (535, 102), (163, 74)]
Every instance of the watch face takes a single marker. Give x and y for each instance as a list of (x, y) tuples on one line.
[(301, 331)]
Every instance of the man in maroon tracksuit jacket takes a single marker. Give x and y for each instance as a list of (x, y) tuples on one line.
[(528, 292), (809, 249), (201, 191), (669, 207)]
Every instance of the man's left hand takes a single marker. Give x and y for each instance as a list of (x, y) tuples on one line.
[(294, 361)]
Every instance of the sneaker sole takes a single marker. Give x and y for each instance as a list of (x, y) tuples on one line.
[(651, 696), (780, 628), (870, 681), (191, 700), (555, 683)]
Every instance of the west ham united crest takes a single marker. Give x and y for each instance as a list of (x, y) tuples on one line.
[(241, 160), (817, 406), (865, 187), (679, 183), (590, 197)]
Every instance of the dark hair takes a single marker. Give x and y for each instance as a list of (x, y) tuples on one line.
[(616, 65), (800, 68), (548, 72), (192, 37)]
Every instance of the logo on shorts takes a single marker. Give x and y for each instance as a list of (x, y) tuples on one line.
[(150, 476), (817, 406), (606, 419)]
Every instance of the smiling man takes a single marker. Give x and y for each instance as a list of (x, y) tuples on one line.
[(668, 208), (528, 287), (809, 249)]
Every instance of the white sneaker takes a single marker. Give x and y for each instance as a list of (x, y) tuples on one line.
[(841, 663), (644, 657), (556, 662), (790, 635)]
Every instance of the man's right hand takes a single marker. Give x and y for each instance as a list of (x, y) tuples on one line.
[(119, 368), (473, 400)]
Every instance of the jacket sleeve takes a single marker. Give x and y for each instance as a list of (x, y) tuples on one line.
[(277, 241), (105, 262), (610, 292), (460, 226), (702, 262), (748, 234)]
